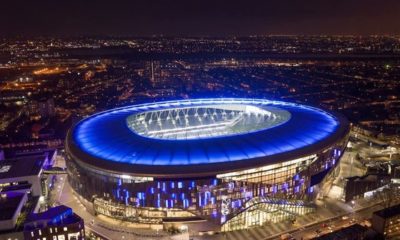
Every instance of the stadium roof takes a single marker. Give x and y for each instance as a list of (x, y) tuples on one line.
[(106, 140)]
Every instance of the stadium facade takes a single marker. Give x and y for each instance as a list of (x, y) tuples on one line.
[(233, 162)]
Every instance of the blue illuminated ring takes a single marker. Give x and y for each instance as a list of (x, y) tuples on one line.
[(104, 141)]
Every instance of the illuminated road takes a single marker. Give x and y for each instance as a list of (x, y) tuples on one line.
[(336, 223)]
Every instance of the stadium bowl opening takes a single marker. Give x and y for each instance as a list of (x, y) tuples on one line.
[(206, 121)]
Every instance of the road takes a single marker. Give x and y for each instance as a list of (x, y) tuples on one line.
[(335, 223)]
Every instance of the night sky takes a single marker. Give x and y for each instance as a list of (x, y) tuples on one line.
[(198, 18)]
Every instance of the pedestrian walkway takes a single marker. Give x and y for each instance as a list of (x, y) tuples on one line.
[(327, 209)]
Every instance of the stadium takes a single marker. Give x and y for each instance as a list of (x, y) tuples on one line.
[(233, 163)]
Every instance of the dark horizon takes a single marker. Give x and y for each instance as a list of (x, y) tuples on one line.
[(199, 19)]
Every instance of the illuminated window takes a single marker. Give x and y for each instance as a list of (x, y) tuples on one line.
[(65, 229), (73, 235)]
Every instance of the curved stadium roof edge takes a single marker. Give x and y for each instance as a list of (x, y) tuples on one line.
[(104, 141)]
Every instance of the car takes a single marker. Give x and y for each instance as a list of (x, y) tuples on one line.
[(287, 236)]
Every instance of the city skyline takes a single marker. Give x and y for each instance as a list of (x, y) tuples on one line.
[(205, 18)]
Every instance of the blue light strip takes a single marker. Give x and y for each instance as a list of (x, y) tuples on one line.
[(215, 182), (117, 143), (126, 197), (200, 204), (118, 195)]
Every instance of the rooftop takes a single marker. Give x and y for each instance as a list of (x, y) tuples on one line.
[(9, 203), (389, 212), (53, 216), (21, 167), (352, 232)]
